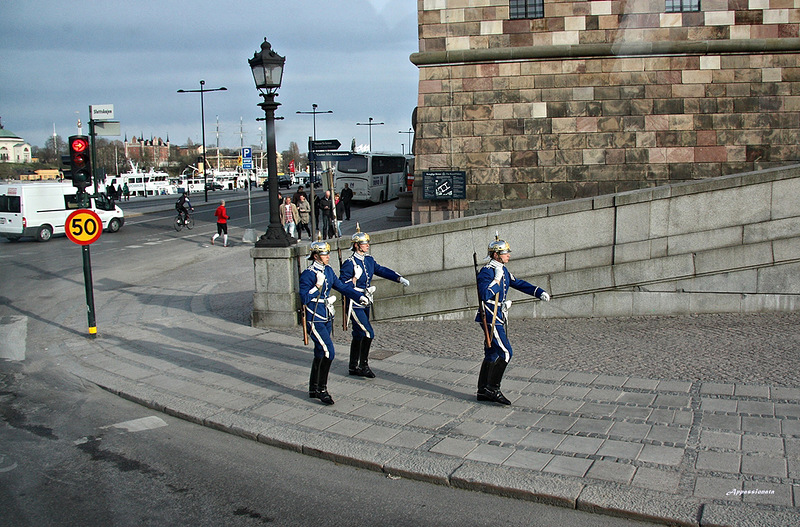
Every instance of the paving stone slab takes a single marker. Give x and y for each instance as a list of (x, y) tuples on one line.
[(517, 483), (612, 471), (528, 460), (716, 515), (638, 504), (422, 466), (568, 466)]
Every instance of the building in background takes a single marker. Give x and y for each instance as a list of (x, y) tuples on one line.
[(152, 152), (542, 100), (13, 149)]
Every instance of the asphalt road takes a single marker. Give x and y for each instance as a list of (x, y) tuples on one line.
[(71, 454)]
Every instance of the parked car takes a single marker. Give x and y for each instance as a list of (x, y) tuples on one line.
[(213, 185), (285, 181)]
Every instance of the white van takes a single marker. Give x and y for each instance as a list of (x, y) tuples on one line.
[(40, 209)]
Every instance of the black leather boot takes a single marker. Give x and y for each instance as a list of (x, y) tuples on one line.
[(322, 394), (313, 382), (493, 392), (355, 355), (363, 362), (483, 380)]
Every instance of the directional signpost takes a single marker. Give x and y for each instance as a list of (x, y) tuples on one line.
[(325, 144), (330, 156)]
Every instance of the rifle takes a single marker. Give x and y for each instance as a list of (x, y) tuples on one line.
[(486, 333), (302, 307), (344, 298)]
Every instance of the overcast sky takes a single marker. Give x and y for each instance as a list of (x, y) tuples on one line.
[(348, 56)]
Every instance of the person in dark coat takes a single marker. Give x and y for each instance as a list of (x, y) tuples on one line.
[(347, 197)]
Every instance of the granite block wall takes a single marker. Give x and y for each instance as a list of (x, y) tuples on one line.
[(601, 97), (725, 244)]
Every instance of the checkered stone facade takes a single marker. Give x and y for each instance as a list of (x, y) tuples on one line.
[(601, 96)]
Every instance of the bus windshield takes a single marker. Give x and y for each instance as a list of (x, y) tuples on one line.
[(355, 165)]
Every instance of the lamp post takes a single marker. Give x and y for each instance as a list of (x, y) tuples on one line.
[(267, 67), (201, 91), (410, 133), (370, 124), (313, 164)]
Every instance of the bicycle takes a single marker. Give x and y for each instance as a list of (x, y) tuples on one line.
[(180, 221)]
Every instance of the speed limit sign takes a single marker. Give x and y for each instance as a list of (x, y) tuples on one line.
[(84, 227)]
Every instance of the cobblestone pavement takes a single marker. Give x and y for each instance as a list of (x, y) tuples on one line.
[(729, 348)]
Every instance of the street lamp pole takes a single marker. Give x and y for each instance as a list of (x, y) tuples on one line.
[(410, 133), (202, 91), (370, 124), (267, 67), (313, 177)]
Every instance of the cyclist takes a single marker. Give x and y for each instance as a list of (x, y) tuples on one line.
[(183, 206)]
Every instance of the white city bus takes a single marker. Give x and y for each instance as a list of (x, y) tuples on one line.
[(374, 177)]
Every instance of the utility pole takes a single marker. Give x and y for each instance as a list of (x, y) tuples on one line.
[(370, 124)]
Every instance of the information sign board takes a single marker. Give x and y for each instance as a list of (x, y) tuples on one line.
[(444, 184)]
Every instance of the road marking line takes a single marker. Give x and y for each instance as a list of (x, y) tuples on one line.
[(139, 425)]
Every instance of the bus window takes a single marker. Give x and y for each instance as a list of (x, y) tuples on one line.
[(387, 165), (355, 165)]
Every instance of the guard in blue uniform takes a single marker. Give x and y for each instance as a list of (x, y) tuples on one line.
[(316, 283), (494, 279), (359, 270)]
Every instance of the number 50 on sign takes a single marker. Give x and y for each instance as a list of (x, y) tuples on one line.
[(84, 227)]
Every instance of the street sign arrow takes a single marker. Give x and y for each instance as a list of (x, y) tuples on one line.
[(325, 144), (330, 156)]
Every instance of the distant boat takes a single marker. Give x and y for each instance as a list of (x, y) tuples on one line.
[(150, 183)]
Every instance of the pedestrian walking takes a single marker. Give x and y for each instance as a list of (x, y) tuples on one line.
[(222, 224), (290, 217), (300, 192), (326, 214), (126, 192), (339, 207), (493, 281), (360, 269), (304, 211), (347, 197), (316, 283)]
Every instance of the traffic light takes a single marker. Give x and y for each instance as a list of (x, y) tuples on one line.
[(80, 162), (66, 167)]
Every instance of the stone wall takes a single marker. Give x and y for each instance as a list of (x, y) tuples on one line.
[(726, 244), (601, 97)]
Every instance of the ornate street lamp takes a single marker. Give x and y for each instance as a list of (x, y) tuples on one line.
[(267, 69)]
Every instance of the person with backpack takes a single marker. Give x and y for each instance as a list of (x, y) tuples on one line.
[(183, 206)]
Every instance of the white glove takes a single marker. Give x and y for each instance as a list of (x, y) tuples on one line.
[(364, 301), (331, 300), (357, 272), (506, 305), (320, 279), (404, 282), (545, 297), (498, 274), (371, 289)]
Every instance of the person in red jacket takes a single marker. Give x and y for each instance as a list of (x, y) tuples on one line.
[(222, 224)]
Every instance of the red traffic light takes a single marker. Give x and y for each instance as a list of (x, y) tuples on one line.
[(79, 144), (79, 160)]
